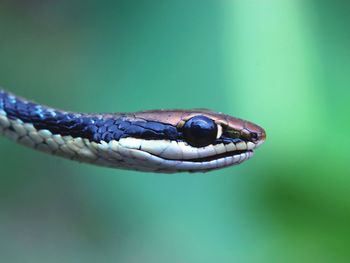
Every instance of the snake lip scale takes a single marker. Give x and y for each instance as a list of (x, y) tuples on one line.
[(164, 141), (222, 155)]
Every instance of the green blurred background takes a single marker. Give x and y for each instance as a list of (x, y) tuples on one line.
[(282, 64)]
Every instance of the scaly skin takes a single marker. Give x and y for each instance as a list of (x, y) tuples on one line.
[(145, 141)]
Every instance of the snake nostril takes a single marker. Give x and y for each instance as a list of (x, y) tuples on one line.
[(254, 136)]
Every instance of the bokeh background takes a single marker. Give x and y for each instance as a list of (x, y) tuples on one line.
[(282, 64)]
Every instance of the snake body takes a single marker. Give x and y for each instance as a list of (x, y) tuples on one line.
[(166, 141)]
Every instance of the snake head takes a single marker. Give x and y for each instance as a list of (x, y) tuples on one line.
[(201, 140)]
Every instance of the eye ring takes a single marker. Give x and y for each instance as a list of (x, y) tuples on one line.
[(200, 131)]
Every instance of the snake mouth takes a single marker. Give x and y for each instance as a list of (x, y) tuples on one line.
[(178, 151), (172, 156), (218, 156)]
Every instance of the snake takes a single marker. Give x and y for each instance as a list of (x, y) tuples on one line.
[(163, 141)]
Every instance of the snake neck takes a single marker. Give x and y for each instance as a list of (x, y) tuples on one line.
[(80, 137)]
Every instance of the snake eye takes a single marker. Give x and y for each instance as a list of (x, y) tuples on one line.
[(200, 131)]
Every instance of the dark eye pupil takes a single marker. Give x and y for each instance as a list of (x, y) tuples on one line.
[(200, 131)]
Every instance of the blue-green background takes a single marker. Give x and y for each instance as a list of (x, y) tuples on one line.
[(282, 64)]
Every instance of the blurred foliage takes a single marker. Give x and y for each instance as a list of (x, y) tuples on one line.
[(282, 64)]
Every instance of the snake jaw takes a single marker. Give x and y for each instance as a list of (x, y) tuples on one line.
[(178, 156)]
